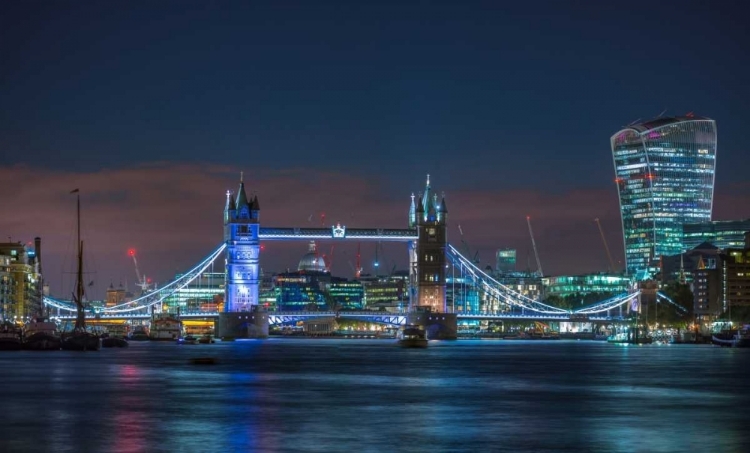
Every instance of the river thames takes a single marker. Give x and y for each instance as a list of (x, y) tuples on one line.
[(328, 395)]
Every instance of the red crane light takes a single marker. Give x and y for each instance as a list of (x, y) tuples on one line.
[(131, 252)]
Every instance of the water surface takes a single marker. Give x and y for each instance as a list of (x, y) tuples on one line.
[(371, 396)]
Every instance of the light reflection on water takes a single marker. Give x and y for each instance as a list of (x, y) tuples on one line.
[(368, 395)]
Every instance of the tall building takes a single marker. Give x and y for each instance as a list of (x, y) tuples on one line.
[(724, 234), (664, 171), (505, 261)]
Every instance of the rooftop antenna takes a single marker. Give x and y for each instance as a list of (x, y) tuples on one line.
[(662, 113)]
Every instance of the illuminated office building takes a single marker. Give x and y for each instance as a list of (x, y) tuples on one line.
[(664, 170), (505, 261), (724, 234), (567, 285), (205, 293)]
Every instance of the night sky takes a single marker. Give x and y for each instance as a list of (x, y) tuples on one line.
[(152, 109)]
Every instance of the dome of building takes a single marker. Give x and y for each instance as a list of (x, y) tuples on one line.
[(311, 261)]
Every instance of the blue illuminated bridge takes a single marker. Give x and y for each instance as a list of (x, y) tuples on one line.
[(512, 304)]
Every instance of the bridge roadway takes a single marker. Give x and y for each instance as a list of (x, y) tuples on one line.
[(397, 319)]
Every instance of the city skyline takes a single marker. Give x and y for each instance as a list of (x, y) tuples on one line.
[(154, 110)]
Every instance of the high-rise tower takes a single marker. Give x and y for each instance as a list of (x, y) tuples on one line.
[(242, 253), (427, 253), (664, 170)]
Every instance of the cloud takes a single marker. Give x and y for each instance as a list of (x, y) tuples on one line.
[(172, 214)]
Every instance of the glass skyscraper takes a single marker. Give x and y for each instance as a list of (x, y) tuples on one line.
[(664, 171)]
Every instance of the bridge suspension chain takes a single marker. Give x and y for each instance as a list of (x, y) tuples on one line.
[(162, 293)]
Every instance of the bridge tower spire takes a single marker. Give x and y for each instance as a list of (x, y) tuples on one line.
[(427, 257), (241, 317), (243, 251)]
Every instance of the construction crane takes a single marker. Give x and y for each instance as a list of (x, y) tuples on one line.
[(467, 250), (358, 270), (533, 244), (606, 247), (328, 259), (142, 281)]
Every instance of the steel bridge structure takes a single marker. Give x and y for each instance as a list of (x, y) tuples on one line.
[(510, 304)]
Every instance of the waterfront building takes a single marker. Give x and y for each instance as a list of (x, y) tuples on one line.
[(568, 285), (7, 289), (505, 260), (345, 295), (724, 234), (19, 272), (462, 296), (664, 169), (736, 276), (299, 292), (205, 293), (707, 292), (384, 291)]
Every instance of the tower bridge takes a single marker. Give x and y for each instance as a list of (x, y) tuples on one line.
[(429, 256)]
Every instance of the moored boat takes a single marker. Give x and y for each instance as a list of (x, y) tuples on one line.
[(42, 335), (187, 339), (206, 339), (10, 337), (166, 328), (79, 339), (626, 338), (139, 333), (412, 336), (114, 342), (732, 338)]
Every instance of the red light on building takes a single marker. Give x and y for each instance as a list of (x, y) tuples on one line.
[(131, 252)]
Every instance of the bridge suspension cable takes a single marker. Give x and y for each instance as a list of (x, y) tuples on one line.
[(609, 304), (157, 296), (497, 289), (663, 296)]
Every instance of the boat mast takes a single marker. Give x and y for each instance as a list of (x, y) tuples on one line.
[(81, 317)]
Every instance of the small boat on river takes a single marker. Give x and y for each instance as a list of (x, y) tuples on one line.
[(10, 337), (114, 342), (412, 336), (42, 335), (732, 338)]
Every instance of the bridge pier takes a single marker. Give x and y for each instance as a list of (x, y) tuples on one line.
[(242, 324), (438, 326)]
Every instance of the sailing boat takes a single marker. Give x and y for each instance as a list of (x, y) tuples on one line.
[(79, 339)]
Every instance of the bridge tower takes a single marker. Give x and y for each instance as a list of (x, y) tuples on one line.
[(241, 227), (427, 257)]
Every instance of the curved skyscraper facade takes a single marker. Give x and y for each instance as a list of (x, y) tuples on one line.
[(664, 170)]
